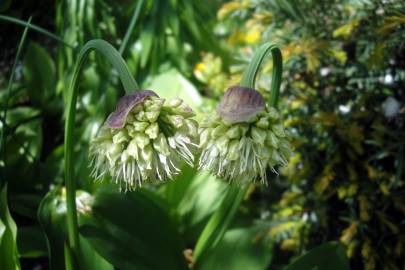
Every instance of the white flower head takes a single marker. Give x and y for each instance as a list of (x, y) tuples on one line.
[(244, 139), (146, 139)]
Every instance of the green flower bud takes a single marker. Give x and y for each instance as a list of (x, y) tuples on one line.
[(160, 144), (175, 102), (132, 149), (139, 126), (204, 136), (192, 127), (145, 139), (120, 137), (263, 123), (219, 131), (258, 135), (152, 131), (234, 132), (233, 152), (222, 145), (245, 141), (141, 140)]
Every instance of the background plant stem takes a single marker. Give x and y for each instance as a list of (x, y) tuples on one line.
[(35, 28), (131, 26)]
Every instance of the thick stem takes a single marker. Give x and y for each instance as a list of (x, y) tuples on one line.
[(222, 218), (129, 84)]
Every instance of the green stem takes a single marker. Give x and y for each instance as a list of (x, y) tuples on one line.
[(129, 84), (131, 27), (250, 74), (222, 218)]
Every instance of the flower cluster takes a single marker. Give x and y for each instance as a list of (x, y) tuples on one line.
[(244, 139), (145, 139)]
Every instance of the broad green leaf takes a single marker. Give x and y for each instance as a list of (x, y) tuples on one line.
[(202, 197), (174, 191), (39, 74), (8, 234), (329, 256), (133, 231), (173, 84), (239, 249)]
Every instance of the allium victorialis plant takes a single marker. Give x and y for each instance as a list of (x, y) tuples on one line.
[(244, 139), (145, 139)]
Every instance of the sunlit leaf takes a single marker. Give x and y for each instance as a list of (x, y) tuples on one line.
[(172, 84), (239, 249)]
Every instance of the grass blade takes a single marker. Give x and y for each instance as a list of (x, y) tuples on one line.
[(35, 28), (131, 26), (10, 83)]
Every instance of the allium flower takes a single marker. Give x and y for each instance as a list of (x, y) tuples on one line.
[(144, 139), (244, 139)]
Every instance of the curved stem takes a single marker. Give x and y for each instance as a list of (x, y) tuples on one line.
[(250, 74), (222, 218), (129, 84)]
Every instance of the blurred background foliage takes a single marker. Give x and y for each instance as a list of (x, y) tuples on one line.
[(342, 100)]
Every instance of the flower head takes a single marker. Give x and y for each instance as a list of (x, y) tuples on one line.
[(144, 139), (244, 139)]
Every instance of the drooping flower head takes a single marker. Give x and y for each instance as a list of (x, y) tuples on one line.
[(144, 139), (244, 139)]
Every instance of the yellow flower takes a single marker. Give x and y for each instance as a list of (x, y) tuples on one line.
[(252, 36)]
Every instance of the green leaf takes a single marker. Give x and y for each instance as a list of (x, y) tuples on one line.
[(173, 84), (199, 201), (329, 256), (39, 74), (8, 234), (133, 231), (239, 249), (173, 191), (52, 217)]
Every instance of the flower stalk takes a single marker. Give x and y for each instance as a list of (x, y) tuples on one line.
[(130, 85), (251, 107)]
